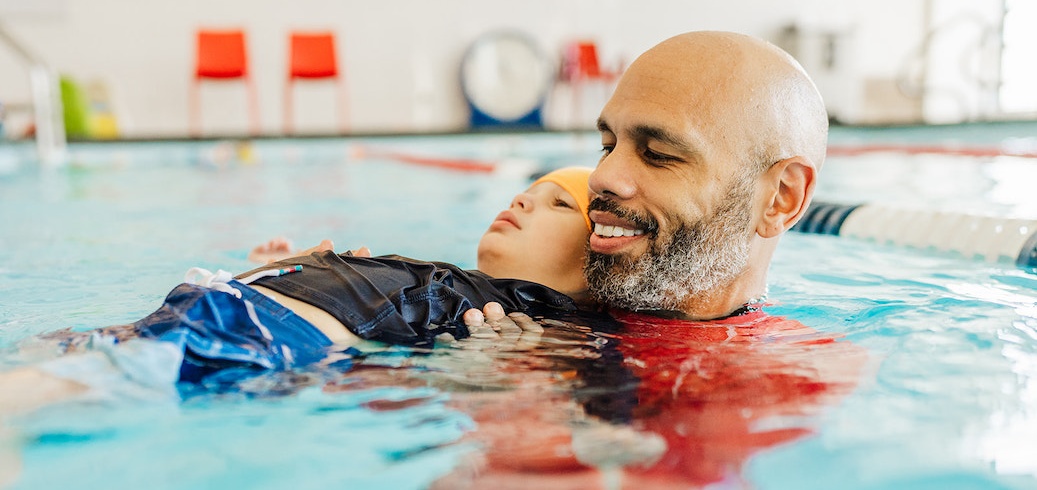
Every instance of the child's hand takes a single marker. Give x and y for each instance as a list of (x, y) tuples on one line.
[(271, 251), (280, 248), (325, 245)]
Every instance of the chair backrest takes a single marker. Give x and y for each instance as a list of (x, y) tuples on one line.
[(312, 55), (580, 61), (221, 54), (587, 59)]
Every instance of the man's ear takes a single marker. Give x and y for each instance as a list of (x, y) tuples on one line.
[(789, 186)]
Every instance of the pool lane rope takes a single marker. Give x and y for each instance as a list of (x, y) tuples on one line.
[(450, 163), (1018, 150), (993, 239)]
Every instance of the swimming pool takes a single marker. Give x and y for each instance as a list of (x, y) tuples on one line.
[(932, 385)]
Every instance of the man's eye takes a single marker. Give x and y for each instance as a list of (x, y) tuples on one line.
[(606, 149), (651, 155), (657, 159)]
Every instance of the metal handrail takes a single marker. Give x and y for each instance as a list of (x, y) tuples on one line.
[(51, 145)]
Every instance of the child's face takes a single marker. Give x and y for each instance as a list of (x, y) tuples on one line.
[(542, 237)]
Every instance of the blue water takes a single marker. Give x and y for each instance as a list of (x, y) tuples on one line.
[(951, 402), (945, 395)]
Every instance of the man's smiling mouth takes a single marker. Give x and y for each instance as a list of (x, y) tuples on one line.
[(606, 231)]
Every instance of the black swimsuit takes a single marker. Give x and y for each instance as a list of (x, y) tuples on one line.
[(400, 300)]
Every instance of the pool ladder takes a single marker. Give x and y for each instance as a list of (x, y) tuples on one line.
[(993, 239), (51, 145)]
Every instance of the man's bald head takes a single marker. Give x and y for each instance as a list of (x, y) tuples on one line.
[(747, 88)]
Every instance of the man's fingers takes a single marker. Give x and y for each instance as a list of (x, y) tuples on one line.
[(500, 322), (493, 311), (526, 323), (477, 325), (473, 318), (531, 331), (483, 332), (507, 327), (491, 322)]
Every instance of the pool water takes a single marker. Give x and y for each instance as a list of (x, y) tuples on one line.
[(881, 367)]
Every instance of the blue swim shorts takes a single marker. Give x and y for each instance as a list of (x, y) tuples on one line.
[(217, 330)]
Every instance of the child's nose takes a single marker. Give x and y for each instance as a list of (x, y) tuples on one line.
[(523, 201)]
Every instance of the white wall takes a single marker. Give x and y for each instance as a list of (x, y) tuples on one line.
[(962, 66), (401, 56)]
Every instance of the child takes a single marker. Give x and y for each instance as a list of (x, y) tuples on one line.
[(289, 313)]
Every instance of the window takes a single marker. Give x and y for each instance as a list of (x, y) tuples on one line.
[(1018, 92)]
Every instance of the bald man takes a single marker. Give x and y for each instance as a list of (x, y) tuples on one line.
[(711, 145)]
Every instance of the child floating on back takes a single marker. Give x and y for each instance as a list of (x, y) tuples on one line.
[(292, 312)]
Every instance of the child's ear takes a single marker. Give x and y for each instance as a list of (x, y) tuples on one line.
[(788, 186)]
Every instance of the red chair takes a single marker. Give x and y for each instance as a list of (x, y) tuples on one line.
[(222, 55), (581, 65), (582, 61), (311, 56)]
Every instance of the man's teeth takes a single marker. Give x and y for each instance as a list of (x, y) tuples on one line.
[(614, 231)]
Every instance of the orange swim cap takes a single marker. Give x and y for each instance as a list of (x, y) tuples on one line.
[(575, 181)]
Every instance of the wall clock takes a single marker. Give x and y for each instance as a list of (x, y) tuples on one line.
[(505, 77)]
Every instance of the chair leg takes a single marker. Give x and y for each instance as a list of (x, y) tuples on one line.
[(194, 123), (289, 106), (576, 93), (253, 108), (343, 107)]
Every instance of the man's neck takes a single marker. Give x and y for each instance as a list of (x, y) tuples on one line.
[(745, 293)]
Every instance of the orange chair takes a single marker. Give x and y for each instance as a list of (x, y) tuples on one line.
[(311, 56), (582, 61), (222, 55), (580, 65)]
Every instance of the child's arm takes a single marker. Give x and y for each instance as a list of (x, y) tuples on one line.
[(275, 249), (280, 248)]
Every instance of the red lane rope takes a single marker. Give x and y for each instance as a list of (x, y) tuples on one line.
[(459, 164), (472, 165), (849, 150)]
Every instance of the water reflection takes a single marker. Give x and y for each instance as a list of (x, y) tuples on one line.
[(635, 402)]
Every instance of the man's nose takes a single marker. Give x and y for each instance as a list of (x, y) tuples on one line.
[(613, 177)]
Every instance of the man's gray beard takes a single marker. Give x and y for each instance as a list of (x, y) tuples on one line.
[(697, 258)]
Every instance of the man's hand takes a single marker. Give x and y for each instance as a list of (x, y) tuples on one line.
[(491, 328)]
